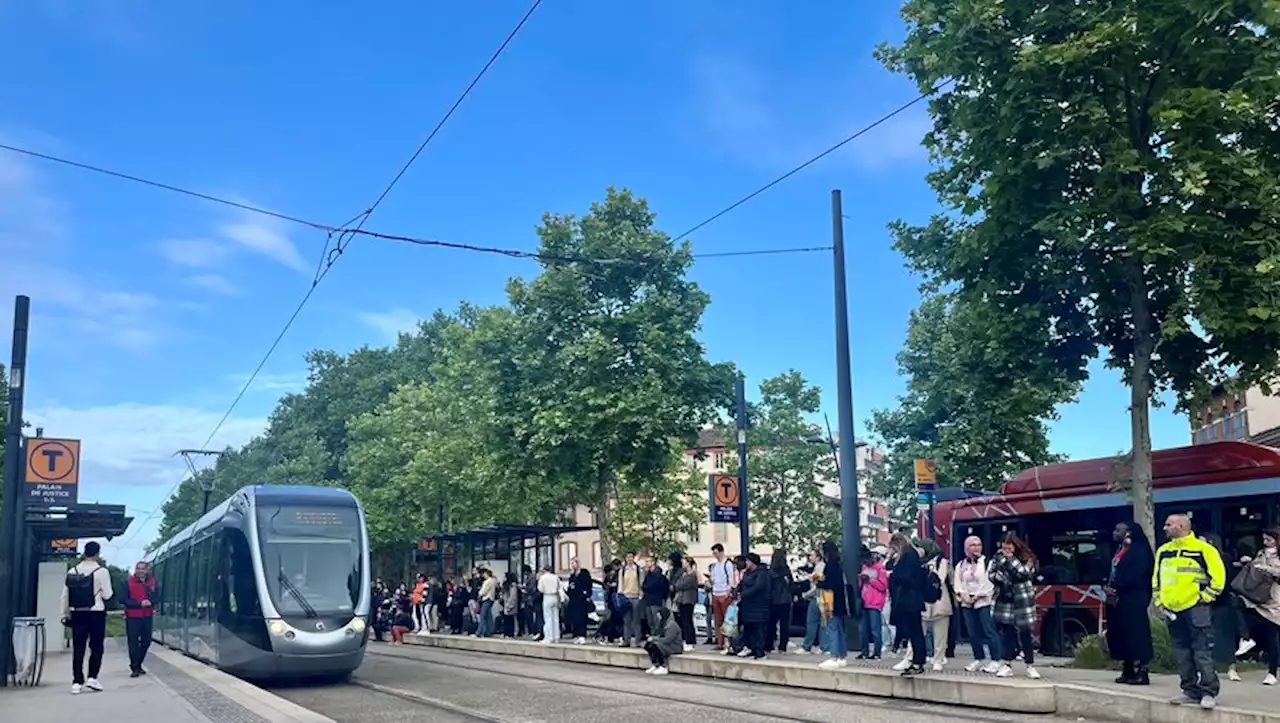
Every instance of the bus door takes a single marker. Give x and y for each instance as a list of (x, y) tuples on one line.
[(1241, 528), (991, 532)]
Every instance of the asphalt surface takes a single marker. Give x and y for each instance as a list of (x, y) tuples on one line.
[(406, 683)]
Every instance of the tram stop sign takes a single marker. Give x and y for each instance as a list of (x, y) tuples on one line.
[(53, 472)]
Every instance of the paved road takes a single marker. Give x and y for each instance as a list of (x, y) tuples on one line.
[(415, 684)]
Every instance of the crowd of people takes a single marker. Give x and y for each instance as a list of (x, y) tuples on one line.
[(905, 598)]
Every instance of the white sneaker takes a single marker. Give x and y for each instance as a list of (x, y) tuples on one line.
[(660, 671), (903, 664), (829, 664), (1270, 679), (93, 684), (1245, 646), (75, 689), (1004, 672), (688, 648), (991, 668), (801, 651), (1032, 673), (744, 653), (975, 666), (650, 670), (938, 666), (580, 641), (1232, 675)]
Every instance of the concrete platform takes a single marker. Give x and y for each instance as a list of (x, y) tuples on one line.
[(1060, 692), (177, 689)]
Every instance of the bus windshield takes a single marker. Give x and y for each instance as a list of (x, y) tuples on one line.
[(312, 558)]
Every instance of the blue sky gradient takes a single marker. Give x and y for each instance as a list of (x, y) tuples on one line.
[(151, 308)]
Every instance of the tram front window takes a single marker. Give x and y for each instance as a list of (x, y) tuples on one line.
[(311, 559)]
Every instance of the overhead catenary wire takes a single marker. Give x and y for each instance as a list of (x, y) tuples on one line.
[(329, 256)]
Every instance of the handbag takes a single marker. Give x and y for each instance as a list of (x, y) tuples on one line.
[(1253, 585)]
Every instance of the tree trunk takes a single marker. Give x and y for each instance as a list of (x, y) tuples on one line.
[(603, 500), (1140, 398)]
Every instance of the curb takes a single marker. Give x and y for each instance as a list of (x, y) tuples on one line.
[(1077, 701), (267, 705)]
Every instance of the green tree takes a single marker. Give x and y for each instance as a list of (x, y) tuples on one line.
[(786, 469), (659, 513), (979, 397), (607, 369), (1112, 165)]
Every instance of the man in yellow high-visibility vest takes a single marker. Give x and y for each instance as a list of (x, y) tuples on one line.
[(1189, 576)]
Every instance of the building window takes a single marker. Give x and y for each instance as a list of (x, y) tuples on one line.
[(1229, 427), (568, 551), (1242, 425), (596, 562), (718, 460)]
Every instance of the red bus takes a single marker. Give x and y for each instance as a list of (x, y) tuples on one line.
[(1066, 513)]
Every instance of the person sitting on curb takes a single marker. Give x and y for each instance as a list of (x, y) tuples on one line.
[(666, 642)]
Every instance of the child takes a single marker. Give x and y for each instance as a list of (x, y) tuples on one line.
[(666, 642)]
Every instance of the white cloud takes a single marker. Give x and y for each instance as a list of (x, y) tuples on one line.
[(390, 324), (771, 121), (214, 283), (285, 383), (195, 253), (267, 239), (33, 238)]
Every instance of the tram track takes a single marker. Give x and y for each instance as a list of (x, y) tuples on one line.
[(745, 699)]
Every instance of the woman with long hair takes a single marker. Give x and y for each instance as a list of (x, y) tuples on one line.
[(1262, 616), (833, 600), (1128, 599), (1013, 572), (909, 601), (684, 595), (780, 604)]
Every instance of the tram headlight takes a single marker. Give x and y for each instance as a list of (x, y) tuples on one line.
[(277, 627), (358, 625)]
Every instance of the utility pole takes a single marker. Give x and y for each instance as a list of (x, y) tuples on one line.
[(206, 484), (850, 512), (740, 391), (11, 513)]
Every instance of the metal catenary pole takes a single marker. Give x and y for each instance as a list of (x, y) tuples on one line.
[(11, 513), (850, 514), (740, 390)]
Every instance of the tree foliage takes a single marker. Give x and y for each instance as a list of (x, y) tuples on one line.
[(786, 468), (979, 397), (656, 514), (577, 388), (1113, 166)]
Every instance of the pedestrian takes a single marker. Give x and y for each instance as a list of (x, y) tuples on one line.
[(420, 604), (1128, 600), (684, 595), (140, 597), (655, 592), (550, 587), (976, 593), (1013, 571), (84, 609), (666, 642), (579, 602), (782, 597), (909, 580), (810, 574), (723, 581), (630, 581), (1189, 576), (509, 599), (833, 602), (937, 614), (402, 621), (754, 594), (1257, 579), (488, 596), (875, 590)]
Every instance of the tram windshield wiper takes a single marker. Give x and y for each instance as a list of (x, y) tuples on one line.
[(292, 589)]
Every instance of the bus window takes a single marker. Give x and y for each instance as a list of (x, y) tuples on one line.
[(1242, 525)]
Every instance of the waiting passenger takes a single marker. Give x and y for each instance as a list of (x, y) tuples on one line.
[(666, 642)]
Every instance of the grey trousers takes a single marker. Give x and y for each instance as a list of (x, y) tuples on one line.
[(1192, 634)]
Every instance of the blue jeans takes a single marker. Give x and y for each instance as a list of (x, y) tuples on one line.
[(982, 630), (872, 625), (812, 625), (835, 643), (486, 619)]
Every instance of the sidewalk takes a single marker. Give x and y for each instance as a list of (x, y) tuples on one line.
[(1081, 694), (176, 690)]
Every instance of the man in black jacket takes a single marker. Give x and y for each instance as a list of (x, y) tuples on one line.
[(755, 594)]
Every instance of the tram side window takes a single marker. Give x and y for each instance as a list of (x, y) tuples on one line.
[(242, 588)]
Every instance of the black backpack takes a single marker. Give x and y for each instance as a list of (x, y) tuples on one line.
[(933, 590), (81, 594)]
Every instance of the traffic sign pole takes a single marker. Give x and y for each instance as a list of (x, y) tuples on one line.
[(11, 511), (744, 525)]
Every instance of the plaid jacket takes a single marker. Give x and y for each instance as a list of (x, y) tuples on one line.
[(1015, 593)]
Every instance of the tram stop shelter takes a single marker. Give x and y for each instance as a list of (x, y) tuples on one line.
[(499, 547)]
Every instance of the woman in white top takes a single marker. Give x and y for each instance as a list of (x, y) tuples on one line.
[(549, 586), (975, 593)]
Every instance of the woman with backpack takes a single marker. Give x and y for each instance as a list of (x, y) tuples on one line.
[(1013, 572), (938, 608)]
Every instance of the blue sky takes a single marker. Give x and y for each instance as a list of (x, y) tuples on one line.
[(151, 308)]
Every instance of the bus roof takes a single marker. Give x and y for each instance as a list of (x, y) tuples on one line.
[(1166, 464)]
